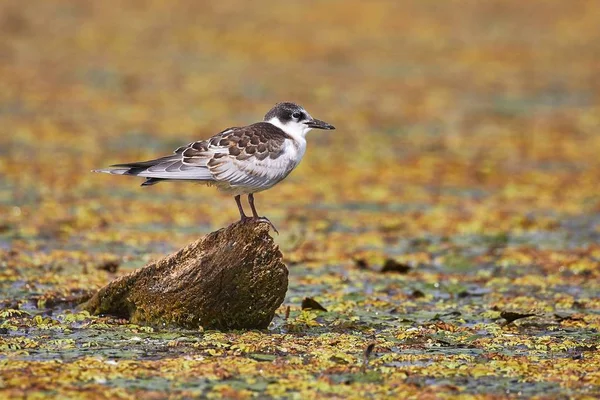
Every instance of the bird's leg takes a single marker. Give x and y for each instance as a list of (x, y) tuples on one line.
[(243, 216), (255, 214), (251, 201)]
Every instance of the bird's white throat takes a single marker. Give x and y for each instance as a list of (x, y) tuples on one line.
[(298, 133)]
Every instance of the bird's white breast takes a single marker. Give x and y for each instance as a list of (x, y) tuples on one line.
[(294, 150)]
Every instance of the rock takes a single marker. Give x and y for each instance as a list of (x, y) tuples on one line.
[(233, 278)]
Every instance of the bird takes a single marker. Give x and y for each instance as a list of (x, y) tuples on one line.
[(237, 161)]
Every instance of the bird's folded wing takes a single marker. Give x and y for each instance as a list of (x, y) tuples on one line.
[(248, 156)]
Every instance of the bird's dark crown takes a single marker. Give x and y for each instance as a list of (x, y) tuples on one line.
[(284, 111)]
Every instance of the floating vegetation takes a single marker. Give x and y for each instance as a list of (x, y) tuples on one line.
[(465, 163)]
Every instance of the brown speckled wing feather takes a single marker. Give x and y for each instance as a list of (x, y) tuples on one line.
[(260, 140), (251, 156)]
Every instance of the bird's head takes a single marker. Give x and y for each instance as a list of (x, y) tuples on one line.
[(294, 119)]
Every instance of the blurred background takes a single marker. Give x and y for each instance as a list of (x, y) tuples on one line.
[(452, 117), (465, 163)]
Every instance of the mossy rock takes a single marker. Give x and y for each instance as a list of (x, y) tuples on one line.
[(233, 278)]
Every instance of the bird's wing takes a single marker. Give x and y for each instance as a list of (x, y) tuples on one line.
[(247, 156)]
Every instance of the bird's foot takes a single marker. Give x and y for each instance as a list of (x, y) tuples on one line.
[(259, 219), (246, 219), (265, 219)]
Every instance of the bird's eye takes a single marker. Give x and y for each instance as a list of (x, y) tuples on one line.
[(297, 115)]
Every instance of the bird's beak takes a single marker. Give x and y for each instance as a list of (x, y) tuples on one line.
[(318, 124)]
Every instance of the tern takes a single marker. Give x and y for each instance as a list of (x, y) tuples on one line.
[(239, 160)]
